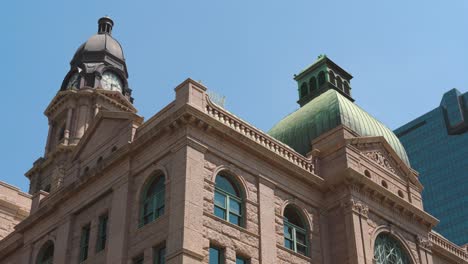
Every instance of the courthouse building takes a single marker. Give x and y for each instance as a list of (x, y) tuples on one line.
[(196, 184), (437, 145)]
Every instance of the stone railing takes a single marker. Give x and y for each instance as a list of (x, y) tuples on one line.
[(448, 246), (258, 136)]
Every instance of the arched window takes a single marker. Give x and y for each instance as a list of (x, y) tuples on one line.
[(228, 203), (46, 254), (331, 75), (61, 134), (346, 88), (295, 232), (313, 84), (321, 78), (152, 200), (339, 83), (387, 250), (304, 90)]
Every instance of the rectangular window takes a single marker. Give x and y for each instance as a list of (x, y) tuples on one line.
[(102, 233), (138, 260), (160, 255), (84, 242), (216, 255), (241, 260)]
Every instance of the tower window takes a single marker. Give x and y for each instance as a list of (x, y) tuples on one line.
[(84, 243), (304, 89), (295, 234), (228, 203), (321, 78), (46, 254), (339, 83), (102, 233), (331, 76), (160, 255), (153, 200), (346, 88), (313, 84), (61, 133)]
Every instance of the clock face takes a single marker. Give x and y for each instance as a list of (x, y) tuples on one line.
[(110, 81), (74, 81)]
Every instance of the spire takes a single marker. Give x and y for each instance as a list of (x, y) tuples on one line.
[(105, 25)]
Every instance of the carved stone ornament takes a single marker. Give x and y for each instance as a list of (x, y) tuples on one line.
[(380, 159), (357, 207), (424, 242)]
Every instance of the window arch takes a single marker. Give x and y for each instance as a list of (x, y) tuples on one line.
[(313, 84), (46, 254), (388, 250), (152, 200), (339, 83), (295, 231), (321, 78), (304, 90), (347, 90), (331, 75), (228, 202)]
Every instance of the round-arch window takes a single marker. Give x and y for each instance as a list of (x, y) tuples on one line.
[(313, 84), (321, 78), (153, 200), (295, 233), (304, 90), (228, 200), (46, 255), (387, 250)]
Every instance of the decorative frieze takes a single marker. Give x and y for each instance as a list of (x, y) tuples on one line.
[(380, 159)]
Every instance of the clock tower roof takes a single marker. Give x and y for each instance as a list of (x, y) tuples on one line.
[(99, 63), (101, 47)]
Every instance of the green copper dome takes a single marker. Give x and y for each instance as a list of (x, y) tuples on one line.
[(324, 113)]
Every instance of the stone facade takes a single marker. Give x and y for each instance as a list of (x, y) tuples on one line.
[(338, 189), (155, 185), (14, 208)]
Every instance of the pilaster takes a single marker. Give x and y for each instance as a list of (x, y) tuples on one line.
[(266, 198), (118, 224), (186, 237)]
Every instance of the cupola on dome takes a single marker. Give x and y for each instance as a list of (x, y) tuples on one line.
[(99, 45)]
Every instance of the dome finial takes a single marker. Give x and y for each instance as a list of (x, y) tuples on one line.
[(105, 25)]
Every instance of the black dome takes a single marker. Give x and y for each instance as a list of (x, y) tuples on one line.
[(99, 43), (101, 47)]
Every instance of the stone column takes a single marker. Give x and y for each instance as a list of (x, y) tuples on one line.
[(185, 240), (353, 212), (118, 225), (68, 126), (266, 200)]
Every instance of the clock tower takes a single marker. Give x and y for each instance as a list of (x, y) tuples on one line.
[(96, 81)]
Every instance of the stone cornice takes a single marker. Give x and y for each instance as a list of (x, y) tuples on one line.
[(443, 246), (366, 187), (112, 97)]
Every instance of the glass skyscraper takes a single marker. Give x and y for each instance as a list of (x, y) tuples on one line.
[(437, 146)]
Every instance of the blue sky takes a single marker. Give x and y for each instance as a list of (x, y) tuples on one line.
[(403, 55)]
